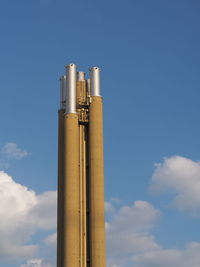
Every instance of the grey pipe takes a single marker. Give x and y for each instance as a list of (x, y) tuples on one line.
[(71, 88), (95, 81), (63, 84), (88, 86)]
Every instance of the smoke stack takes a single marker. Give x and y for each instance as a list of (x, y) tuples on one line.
[(81, 224)]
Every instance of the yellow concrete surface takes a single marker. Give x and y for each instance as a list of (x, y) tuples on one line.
[(96, 183), (71, 234), (60, 185)]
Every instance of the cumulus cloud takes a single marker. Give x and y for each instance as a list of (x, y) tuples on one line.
[(22, 213), (43, 214), (180, 176), (190, 256), (11, 150), (129, 232), (131, 244)]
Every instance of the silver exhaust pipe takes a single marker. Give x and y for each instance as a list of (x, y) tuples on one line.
[(71, 88), (95, 81), (63, 84)]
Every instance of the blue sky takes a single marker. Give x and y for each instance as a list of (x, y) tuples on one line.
[(150, 59)]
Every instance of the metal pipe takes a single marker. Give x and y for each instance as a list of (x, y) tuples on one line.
[(88, 86), (80, 76), (63, 89), (71, 88), (95, 81)]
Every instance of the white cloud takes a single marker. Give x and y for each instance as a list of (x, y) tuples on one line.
[(182, 177), (11, 150), (131, 244), (129, 232), (189, 257), (22, 213), (43, 214)]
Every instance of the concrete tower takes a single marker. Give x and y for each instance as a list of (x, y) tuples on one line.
[(81, 229)]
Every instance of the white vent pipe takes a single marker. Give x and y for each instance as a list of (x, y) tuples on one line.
[(71, 88), (95, 81)]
